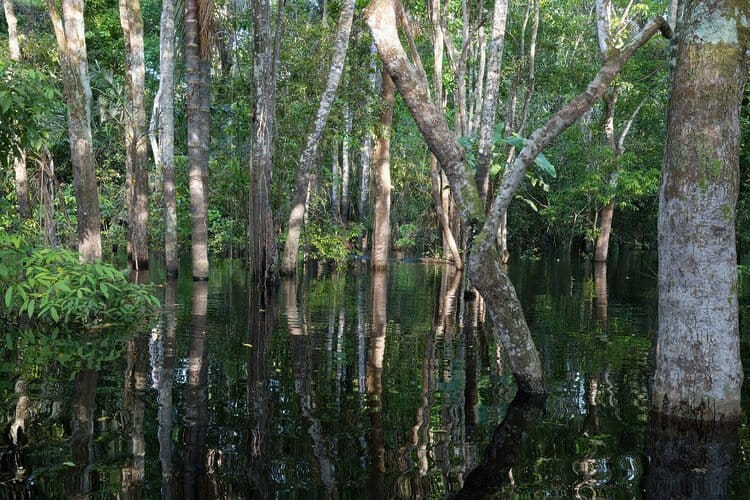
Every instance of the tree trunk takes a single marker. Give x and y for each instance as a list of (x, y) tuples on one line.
[(698, 367), (346, 164), (136, 145), (197, 71), (489, 103), (335, 182), (165, 157), (381, 235), (297, 215), (262, 233), (438, 193), (484, 268), (14, 48), (71, 41)]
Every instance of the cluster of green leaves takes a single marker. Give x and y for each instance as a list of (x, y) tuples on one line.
[(50, 287), (28, 100)]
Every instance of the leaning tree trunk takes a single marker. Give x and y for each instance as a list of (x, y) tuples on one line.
[(489, 102), (71, 41), (297, 215), (136, 145), (698, 367), (262, 235), (197, 71), (484, 267), (381, 234)]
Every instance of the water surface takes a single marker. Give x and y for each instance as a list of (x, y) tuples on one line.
[(354, 385)]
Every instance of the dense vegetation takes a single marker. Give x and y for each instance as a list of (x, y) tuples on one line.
[(559, 211)]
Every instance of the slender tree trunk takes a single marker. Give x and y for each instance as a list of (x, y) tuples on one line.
[(489, 103), (165, 157), (335, 182), (381, 235), (484, 267), (197, 70), (440, 195), (366, 155), (297, 215), (346, 164), (46, 188), (136, 145), (14, 48), (698, 367), (71, 41), (19, 163), (262, 234)]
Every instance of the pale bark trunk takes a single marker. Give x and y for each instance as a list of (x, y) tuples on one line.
[(381, 235), (197, 70), (165, 157), (22, 186), (136, 145), (698, 367), (440, 196), (366, 156), (484, 266), (70, 35), (489, 103), (14, 48), (335, 182), (19, 163), (263, 256), (297, 215), (346, 164)]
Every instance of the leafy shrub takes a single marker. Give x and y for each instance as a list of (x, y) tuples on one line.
[(58, 304)]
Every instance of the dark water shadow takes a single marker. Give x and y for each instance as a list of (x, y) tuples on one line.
[(78, 484), (689, 459), (504, 449)]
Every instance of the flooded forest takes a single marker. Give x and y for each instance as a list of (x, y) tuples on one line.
[(379, 249)]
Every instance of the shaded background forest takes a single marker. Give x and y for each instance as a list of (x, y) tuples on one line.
[(550, 212)]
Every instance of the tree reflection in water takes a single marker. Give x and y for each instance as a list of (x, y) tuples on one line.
[(690, 460), (196, 405), (78, 480), (504, 450)]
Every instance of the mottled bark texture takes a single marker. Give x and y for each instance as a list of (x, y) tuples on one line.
[(306, 161), (136, 144), (166, 132), (69, 32), (381, 234), (489, 102), (263, 255), (484, 266), (198, 75), (698, 368)]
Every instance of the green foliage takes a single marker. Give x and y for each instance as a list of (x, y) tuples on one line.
[(331, 242), (28, 101), (49, 289)]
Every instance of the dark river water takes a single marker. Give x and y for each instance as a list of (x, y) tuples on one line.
[(354, 385)]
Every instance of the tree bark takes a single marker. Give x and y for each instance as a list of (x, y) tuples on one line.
[(436, 177), (346, 164), (484, 267), (489, 103), (197, 70), (381, 235), (136, 145), (263, 255), (698, 367), (14, 48), (71, 41), (165, 157), (297, 215)]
